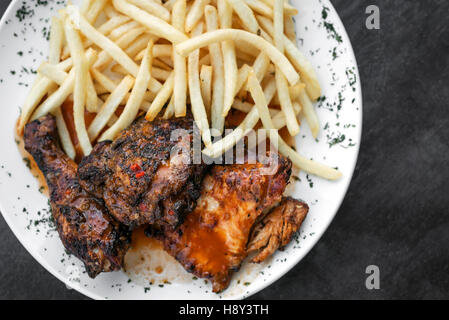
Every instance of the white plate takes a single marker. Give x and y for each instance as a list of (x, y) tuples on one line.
[(23, 46)]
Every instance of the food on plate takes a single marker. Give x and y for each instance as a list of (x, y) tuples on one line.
[(113, 117), (277, 228), (212, 242), (83, 222), (141, 176)]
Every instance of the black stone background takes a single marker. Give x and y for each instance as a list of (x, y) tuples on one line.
[(395, 214)]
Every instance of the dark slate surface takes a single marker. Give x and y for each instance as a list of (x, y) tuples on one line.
[(396, 212)]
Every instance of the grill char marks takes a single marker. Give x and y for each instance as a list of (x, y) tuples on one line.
[(146, 176), (83, 223)]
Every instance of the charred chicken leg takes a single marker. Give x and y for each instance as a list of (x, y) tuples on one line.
[(83, 223)]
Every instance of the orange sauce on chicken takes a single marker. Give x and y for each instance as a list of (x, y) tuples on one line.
[(205, 244)]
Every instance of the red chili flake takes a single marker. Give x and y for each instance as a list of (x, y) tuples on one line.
[(142, 207), (171, 212), (140, 174), (135, 167), (68, 191)]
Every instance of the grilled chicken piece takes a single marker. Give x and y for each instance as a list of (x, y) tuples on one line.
[(277, 228), (145, 176), (212, 241), (83, 223)]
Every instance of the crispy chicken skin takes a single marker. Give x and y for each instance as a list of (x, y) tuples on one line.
[(141, 178), (277, 228), (84, 226), (212, 241)]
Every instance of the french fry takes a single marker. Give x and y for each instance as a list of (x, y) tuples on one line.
[(108, 46), (229, 58), (244, 127), (110, 86), (112, 24), (295, 91), (260, 67), (305, 68), (180, 71), (160, 74), (64, 135), (169, 4), (279, 120), (109, 107), (170, 110), (162, 50), (94, 10), (40, 88), (168, 62), (156, 25), (123, 42), (195, 14), (138, 46), (110, 11), (153, 8), (104, 29), (57, 98), (196, 100), (217, 119), (243, 106), (245, 14), (288, 9), (301, 162), (103, 80), (309, 113), (186, 47), (56, 44), (91, 95), (260, 7), (114, 51), (85, 5), (100, 90), (56, 40), (206, 87), (242, 77), (120, 31), (112, 120), (230, 140), (136, 98), (159, 50), (289, 29), (299, 61), (161, 98), (81, 67), (119, 69), (52, 72), (281, 82), (246, 107)]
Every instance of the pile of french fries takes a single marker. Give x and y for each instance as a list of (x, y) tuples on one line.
[(159, 57)]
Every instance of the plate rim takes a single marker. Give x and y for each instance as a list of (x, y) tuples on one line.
[(278, 275)]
